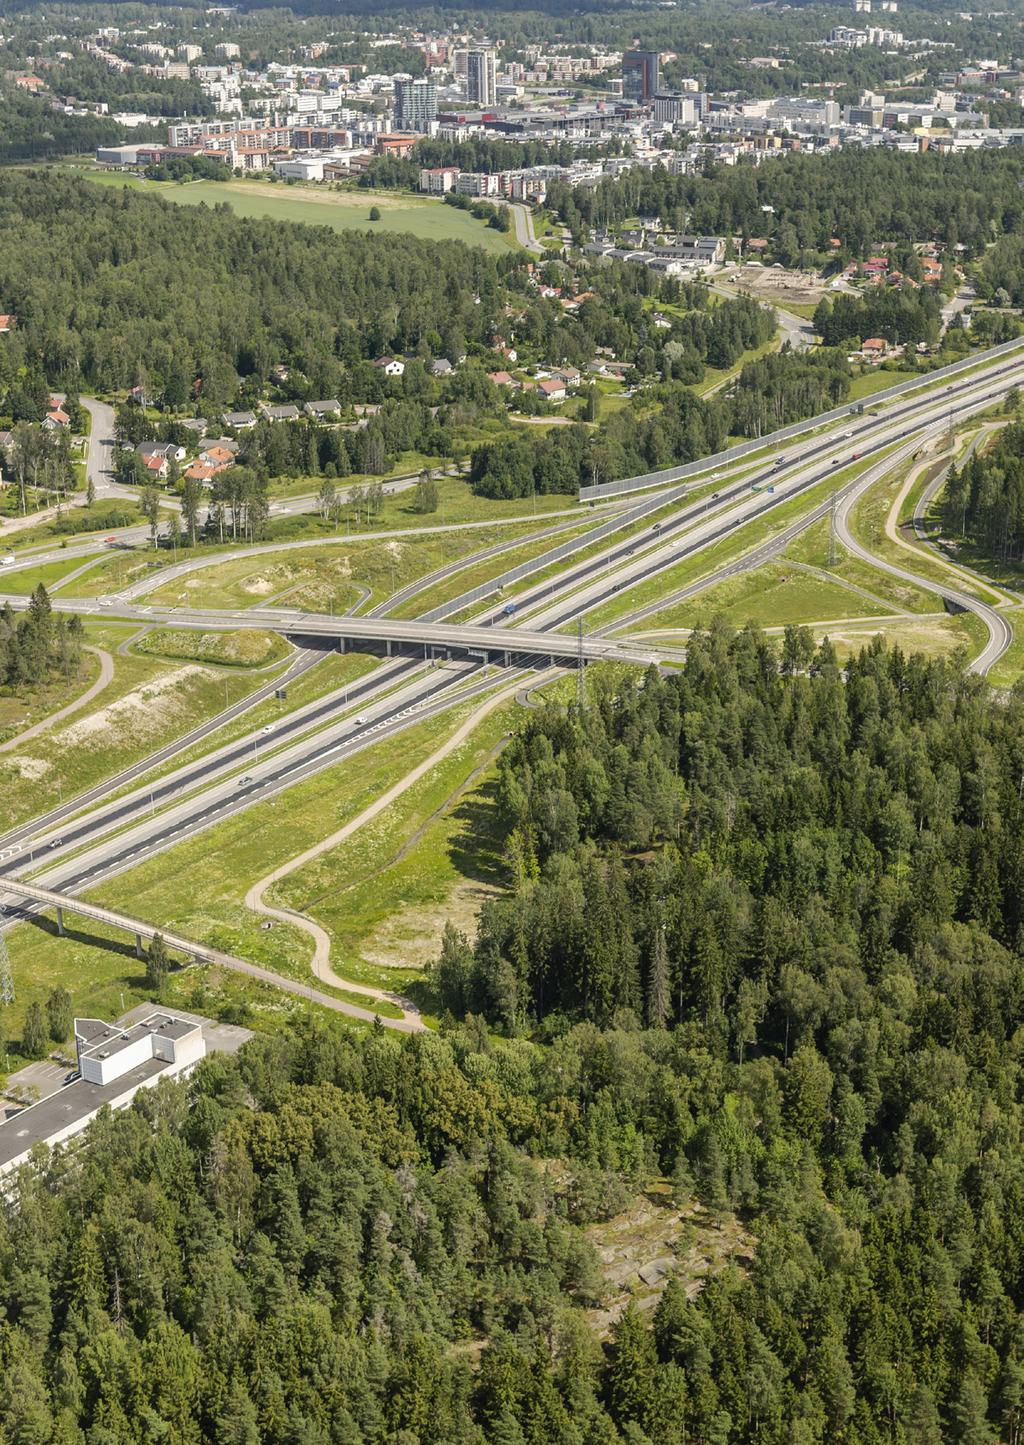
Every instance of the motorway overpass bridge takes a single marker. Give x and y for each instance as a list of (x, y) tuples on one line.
[(509, 646)]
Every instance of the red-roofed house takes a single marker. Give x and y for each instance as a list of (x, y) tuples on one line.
[(56, 417), (875, 347), (8, 323), (502, 378), (553, 389), (156, 467)]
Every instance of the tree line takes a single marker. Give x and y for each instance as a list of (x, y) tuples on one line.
[(862, 196), (38, 645), (984, 498)]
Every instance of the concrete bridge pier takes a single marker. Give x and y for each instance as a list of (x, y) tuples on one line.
[(60, 922), (138, 945)]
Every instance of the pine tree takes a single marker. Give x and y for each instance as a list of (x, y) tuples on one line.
[(657, 1002), (157, 964), (34, 1039)]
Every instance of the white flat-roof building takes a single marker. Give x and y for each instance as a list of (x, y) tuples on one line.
[(115, 1061), (105, 1051)]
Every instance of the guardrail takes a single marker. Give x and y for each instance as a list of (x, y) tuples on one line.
[(797, 428)]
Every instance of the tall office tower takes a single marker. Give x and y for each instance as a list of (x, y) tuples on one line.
[(480, 83), (641, 74), (415, 104)]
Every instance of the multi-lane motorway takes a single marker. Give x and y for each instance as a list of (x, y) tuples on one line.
[(124, 820)]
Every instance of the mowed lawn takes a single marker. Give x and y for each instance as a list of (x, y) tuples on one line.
[(431, 220)]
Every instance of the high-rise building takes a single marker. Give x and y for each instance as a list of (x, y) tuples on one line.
[(415, 104), (480, 83), (641, 74)]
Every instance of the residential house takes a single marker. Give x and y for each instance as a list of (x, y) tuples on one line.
[(216, 456), (167, 450), (875, 347), (7, 322), (56, 417), (328, 410), (567, 374), (239, 420), (552, 388), (440, 366), (157, 467), (197, 424), (202, 472), (502, 378), (288, 412), (390, 365)]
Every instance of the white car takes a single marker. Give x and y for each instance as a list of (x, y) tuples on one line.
[(268, 729), (8, 561)]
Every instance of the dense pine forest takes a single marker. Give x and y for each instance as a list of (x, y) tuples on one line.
[(108, 286), (984, 499), (762, 939), (862, 197)]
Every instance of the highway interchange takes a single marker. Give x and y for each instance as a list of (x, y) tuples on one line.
[(481, 641)]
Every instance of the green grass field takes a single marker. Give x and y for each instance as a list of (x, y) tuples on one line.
[(430, 220), (199, 886), (770, 596), (149, 701), (224, 649)]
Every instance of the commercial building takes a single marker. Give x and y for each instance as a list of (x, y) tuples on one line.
[(641, 74), (481, 88), (114, 1061), (671, 108), (415, 104)]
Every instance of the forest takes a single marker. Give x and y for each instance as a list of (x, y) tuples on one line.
[(108, 287), (862, 197), (757, 948), (984, 498), (900, 315)]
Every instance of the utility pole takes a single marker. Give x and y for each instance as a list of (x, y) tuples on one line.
[(581, 675), (6, 979), (833, 555)]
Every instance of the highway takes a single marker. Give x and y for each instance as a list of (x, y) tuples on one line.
[(82, 848), (318, 748)]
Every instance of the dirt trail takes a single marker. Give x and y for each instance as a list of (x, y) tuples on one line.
[(321, 960)]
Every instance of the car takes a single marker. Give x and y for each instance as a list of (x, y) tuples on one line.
[(779, 462), (7, 561), (656, 527), (836, 461), (248, 778), (110, 541), (715, 496), (268, 729), (106, 601), (359, 721), (855, 456)]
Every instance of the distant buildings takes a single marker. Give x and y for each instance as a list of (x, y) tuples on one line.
[(641, 74), (481, 86), (415, 104)]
